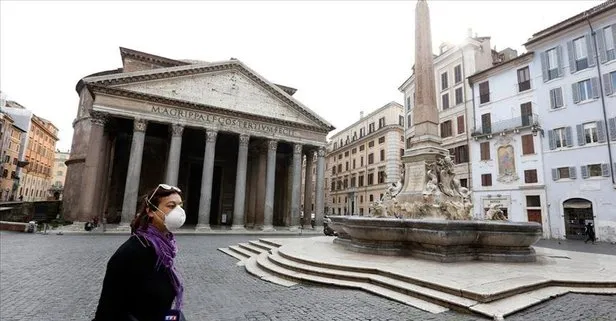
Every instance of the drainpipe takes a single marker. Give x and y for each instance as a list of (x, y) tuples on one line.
[(468, 140), (607, 133)]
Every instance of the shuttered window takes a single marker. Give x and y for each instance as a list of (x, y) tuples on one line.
[(530, 176), (528, 146), (460, 124), (484, 92), (556, 98), (484, 149), (446, 129), (486, 179), (552, 63)]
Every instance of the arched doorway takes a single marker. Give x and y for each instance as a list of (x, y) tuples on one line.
[(578, 212)]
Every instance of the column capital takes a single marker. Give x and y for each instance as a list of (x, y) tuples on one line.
[(99, 118), (176, 130), (272, 145), (211, 136), (139, 125), (297, 149), (321, 152), (244, 140)]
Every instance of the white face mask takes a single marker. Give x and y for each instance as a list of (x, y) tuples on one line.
[(175, 219)]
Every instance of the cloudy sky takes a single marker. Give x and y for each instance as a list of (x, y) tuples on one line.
[(342, 57)]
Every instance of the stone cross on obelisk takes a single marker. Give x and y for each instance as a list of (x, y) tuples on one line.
[(426, 144)]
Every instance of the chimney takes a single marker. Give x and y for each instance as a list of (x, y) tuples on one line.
[(361, 114)]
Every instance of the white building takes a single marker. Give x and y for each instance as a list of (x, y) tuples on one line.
[(573, 75), (506, 147), (451, 67), (362, 159)]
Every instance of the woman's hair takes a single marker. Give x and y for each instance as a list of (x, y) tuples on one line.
[(142, 220)]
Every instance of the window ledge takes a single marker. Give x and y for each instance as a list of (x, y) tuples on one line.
[(587, 101), (554, 79), (558, 109), (562, 180), (609, 62), (595, 178)]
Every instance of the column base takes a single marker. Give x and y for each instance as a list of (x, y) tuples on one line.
[(267, 228), (238, 227), (203, 227), (123, 227), (295, 228)]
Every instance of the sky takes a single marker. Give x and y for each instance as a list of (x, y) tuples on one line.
[(343, 56)]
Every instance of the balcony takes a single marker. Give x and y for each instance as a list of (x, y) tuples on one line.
[(508, 125)]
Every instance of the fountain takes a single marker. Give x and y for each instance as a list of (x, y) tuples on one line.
[(428, 214)]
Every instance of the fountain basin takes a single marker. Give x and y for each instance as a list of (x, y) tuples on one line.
[(439, 240)]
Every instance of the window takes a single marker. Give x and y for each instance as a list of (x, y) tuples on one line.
[(584, 90), (408, 103), (556, 98), (464, 182), (564, 172), (461, 124), (333, 187), (609, 83), (353, 179), (381, 139), (354, 150), (457, 73), (444, 82), (353, 163), (486, 123), (590, 133), (580, 54), (361, 161), (486, 179), (401, 152), (533, 201), (346, 154), (346, 166), (408, 121), (370, 182), (340, 156), (362, 132), (484, 149), (371, 143), (445, 101), (362, 147), (523, 79), (446, 129), (339, 168), (361, 180), (371, 128), (370, 159), (460, 154), (552, 65), (459, 96), (528, 146), (530, 176), (526, 111), (401, 120), (610, 50), (382, 155), (334, 170), (593, 170), (381, 122), (381, 177), (484, 92), (361, 198), (560, 137), (408, 142), (371, 198)]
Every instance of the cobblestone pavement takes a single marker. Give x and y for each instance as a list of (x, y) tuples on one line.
[(58, 277), (579, 246)]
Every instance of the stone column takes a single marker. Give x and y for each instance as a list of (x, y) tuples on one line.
[(296, 184), (270, 182), (308, 189), (205, 200), (173, 162), (240, 184), (131, 189), (94, 162), (260, 186)]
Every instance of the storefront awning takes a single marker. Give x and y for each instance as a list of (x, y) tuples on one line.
[(577, 204)]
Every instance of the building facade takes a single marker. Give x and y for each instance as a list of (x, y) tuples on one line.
[(10, 142), (41, 144), (454, 97), (59, 174), (363, 159), (506, 148), (574, 73), (229, 138)]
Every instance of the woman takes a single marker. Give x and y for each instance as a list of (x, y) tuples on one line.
[(141, 281)]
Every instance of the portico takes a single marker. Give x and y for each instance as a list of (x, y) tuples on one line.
[(229, 139)]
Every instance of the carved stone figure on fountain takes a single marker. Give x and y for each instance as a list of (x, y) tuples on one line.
[(495, 213)]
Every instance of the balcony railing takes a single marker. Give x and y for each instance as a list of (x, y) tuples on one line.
[(511, 124)]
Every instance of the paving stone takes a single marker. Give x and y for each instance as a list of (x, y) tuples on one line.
[(59, 277)]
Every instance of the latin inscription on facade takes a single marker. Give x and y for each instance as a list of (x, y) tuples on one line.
[(224, 121)]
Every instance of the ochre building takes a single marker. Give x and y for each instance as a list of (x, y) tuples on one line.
[(230, 139)]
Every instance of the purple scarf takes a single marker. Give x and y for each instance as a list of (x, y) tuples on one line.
[(165, 248)]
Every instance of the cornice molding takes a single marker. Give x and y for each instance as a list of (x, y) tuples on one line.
[(202, 107)]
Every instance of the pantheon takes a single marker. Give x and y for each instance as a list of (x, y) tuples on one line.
[(231, 140)]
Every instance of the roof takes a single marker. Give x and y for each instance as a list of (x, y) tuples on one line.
[(102, 82), (501, 66), (150, 58), (578, 18), (364, 118)]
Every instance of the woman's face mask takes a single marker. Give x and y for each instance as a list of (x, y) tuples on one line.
[(174, 218)]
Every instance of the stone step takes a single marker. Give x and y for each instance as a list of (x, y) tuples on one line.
[(270, 242), (499, 309), (264, 262), (372, 271), (424, 293), (232, 253), (262, 245), (240, 251), (249, 247), (253, 268)]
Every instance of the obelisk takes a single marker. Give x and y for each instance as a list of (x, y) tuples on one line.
[(426, 144)]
